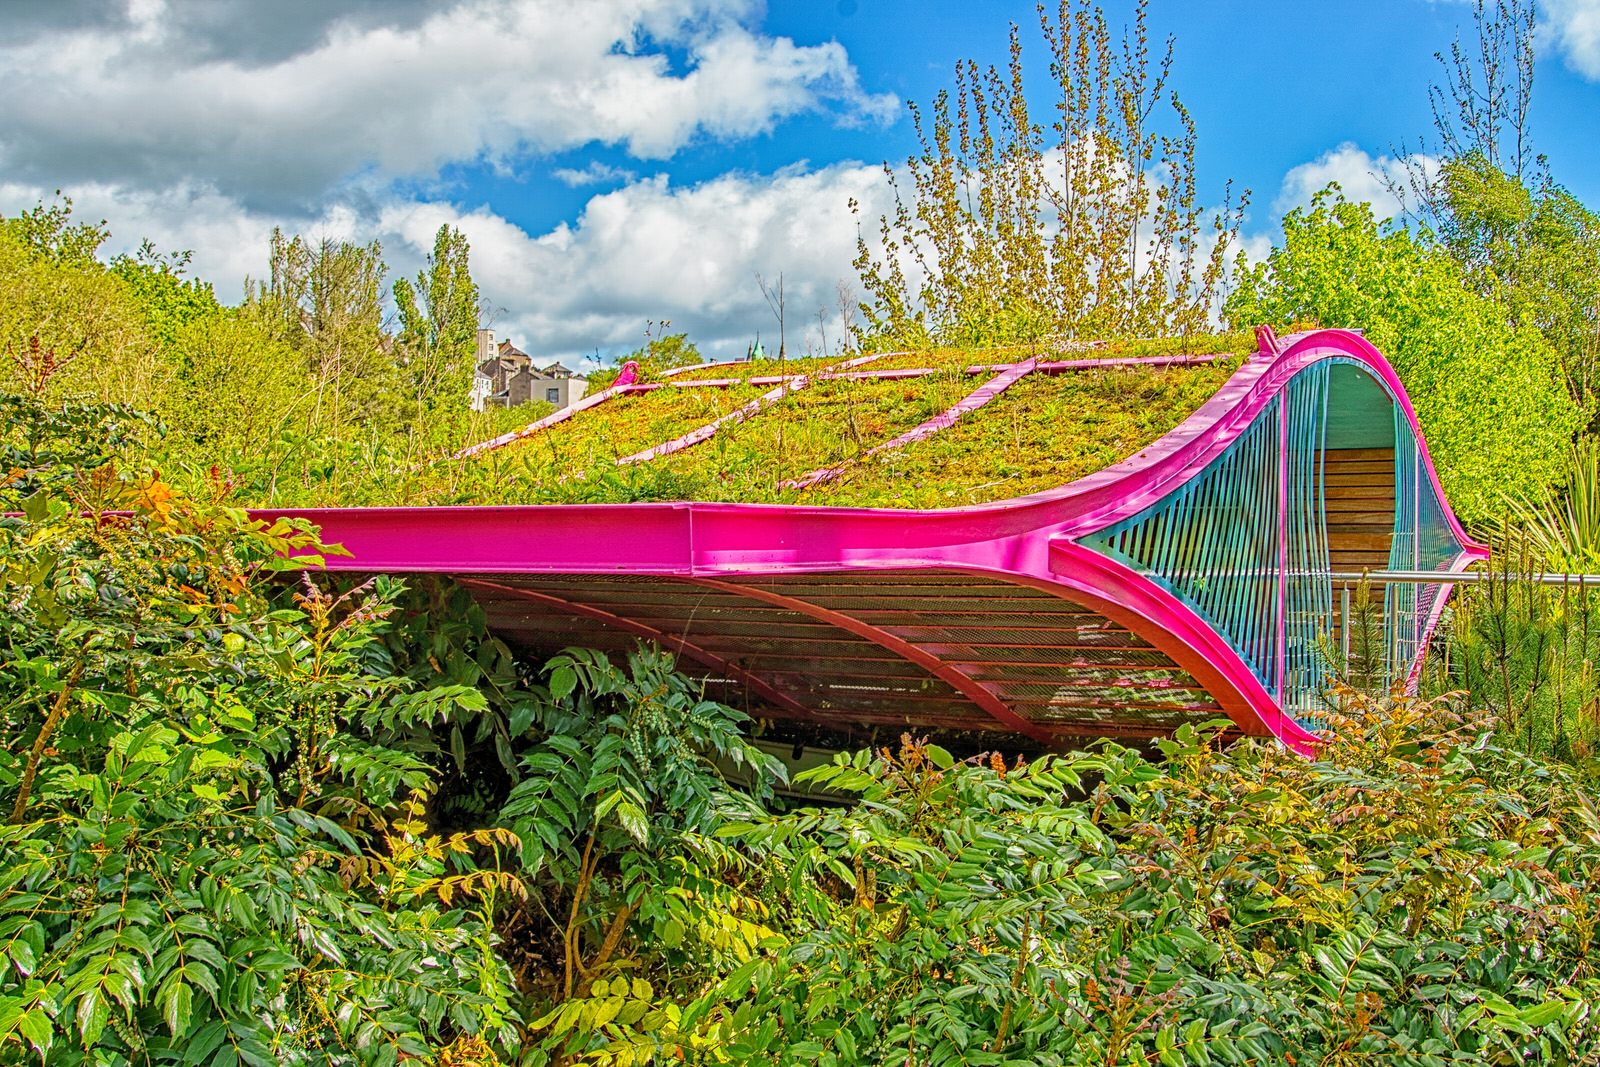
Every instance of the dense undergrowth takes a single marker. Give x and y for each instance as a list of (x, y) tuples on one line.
[(258, 816)]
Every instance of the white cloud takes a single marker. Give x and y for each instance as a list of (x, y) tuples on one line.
[(648, 250), (596, 173), (1573, 27), (228, 241), (480, 80), (1362, 178)]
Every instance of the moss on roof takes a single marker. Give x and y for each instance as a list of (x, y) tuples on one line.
[(1047, 429)]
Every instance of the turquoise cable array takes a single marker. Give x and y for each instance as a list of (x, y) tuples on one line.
[(1207, 545), (1308, 591), (1402, 627), (1259, 573)]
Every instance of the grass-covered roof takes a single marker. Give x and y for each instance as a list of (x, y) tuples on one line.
[(813, 431)]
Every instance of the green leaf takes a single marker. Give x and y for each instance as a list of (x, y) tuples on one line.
[(1542, 1014), (563, 680), (633, 821), (520, 719), (36, 1027), (22, 957), (179, 998), (93, 1012)]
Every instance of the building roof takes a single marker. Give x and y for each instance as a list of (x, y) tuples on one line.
[(1112, 541), (912, 430), (507, 350)]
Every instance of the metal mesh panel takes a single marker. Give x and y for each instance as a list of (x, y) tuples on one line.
[(1214, 543), (1308, 594)]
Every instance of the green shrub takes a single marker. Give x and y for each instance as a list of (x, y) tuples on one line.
[(1488, 394), (1412, 895), (204, 860)]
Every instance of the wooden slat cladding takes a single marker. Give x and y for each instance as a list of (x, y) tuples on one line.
[(1360, 504), (1360, 501)]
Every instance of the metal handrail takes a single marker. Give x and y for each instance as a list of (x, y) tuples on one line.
[(1463, 577)]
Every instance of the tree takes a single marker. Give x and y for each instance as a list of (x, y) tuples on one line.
[(439, 322), (1486, 391), (1533, 251), (1484, 106), (51, 233), (57, 297), (1009, 236), (169, 303), (325, 300)]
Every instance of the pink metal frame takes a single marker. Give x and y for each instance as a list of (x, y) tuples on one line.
[(1030, 541)]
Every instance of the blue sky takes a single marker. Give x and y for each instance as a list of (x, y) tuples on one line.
[(614, 161)]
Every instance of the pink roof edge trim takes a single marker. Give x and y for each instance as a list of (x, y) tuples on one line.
[(1029, 540)]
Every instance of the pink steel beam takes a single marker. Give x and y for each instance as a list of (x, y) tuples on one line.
[(549, 420), (681, 645), (969, 403), (957, 680), (1029, 541), (706, 432)]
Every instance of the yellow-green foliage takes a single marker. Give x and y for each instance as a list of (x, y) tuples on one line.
[(67, 303), (1079, 219), (1496, 415), (226, 388), (1043, 432)]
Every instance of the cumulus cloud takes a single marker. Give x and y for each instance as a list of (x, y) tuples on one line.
[(652, 250), (648, 250), (1573, 27), (1360, 175), (158, 93)]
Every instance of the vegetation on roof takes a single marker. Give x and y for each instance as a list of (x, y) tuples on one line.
[(1046, 430), (1043, 432)]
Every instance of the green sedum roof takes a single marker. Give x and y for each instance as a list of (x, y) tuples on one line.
[(1043, 431)]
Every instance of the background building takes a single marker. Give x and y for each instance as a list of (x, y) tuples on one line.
[(506, 376)]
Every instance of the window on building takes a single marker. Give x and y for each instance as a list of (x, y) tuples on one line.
[(553, 395)]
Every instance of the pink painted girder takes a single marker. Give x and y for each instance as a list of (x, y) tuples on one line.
[(1030, 541), (974, 400), (750, 410)]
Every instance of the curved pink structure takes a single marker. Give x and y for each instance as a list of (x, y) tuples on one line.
[(1187, 581)]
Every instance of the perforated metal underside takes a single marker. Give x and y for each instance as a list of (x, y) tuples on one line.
[(925, 649)]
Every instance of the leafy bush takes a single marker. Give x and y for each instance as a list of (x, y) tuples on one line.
[(203, 862), (616, 813), (1412, 895), (1488, 394)]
